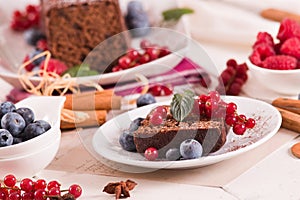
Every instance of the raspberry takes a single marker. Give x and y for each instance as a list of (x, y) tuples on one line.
[(291, 47), (280, 62), (55, 66), (263, 38), (260, 53), (288, 28)]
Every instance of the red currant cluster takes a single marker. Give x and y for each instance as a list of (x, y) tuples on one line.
[(36, 190), (160, 90), (212, 106), (26, 19), (134, 57), (232, 78)]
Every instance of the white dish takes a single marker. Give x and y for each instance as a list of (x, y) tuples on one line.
[(45, 108), (281, 82), (13, 49), (254, 89), (106, 145), (29, 157)]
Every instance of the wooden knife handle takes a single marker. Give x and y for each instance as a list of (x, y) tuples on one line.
[(290, 120), (279, 15), (292, 105)]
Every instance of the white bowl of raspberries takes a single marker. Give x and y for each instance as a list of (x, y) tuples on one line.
[(275, 62), (29, 134)]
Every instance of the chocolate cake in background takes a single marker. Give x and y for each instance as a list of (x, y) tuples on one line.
[(75, 27)]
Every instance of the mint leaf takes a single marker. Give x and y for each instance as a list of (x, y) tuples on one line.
[(182, 104), (176, 13), (81, 70)]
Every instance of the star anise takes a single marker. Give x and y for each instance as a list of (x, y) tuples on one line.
[(120, 189)]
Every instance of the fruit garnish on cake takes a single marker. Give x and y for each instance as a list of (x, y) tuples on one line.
[(190, 127)]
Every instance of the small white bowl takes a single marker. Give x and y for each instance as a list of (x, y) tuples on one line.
[(30, 164), (285, 82), (29, 157)]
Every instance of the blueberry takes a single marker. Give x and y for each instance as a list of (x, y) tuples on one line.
[(173, 154), (33, 35), (137, 20), (145, 99), (13, 122), (44, 124), (190, 149), (17, 140), (27, 114), (134, 125), (38, 61), (126, 141), (134, 6), (6, 138), (6, 107), (33, 130)]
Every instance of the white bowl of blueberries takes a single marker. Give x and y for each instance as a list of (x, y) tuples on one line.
[(29, 134)]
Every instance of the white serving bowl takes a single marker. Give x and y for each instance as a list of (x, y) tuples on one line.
[(32, 163), (285, 82), (29, 157)]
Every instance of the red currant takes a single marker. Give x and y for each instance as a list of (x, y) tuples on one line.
[(133, 54), (75, 190), (155, 90), (27, 185), (211, 105), (214, 95), (250, 123), (231, 62), (54, 191), (151, 153), (144, 58), (164, 51), (14, 196), (239, 129), (242, 118), (161, 110), (10, 180), (166, 90), (145, 44), (40, 194), (231, 120), (117, 68), (203, 98), (231, 108), (40, 184), (153, 52), (14, 189), (124, 62), (156, 119), (53, 184), (27, 196)]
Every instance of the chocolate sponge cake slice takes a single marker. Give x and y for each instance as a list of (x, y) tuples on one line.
[(211, 134), (75, 27)]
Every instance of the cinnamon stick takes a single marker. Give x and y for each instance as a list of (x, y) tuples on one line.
[(279, 15), (290, 120), (93, 118), (99, 100), (292, 105)]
